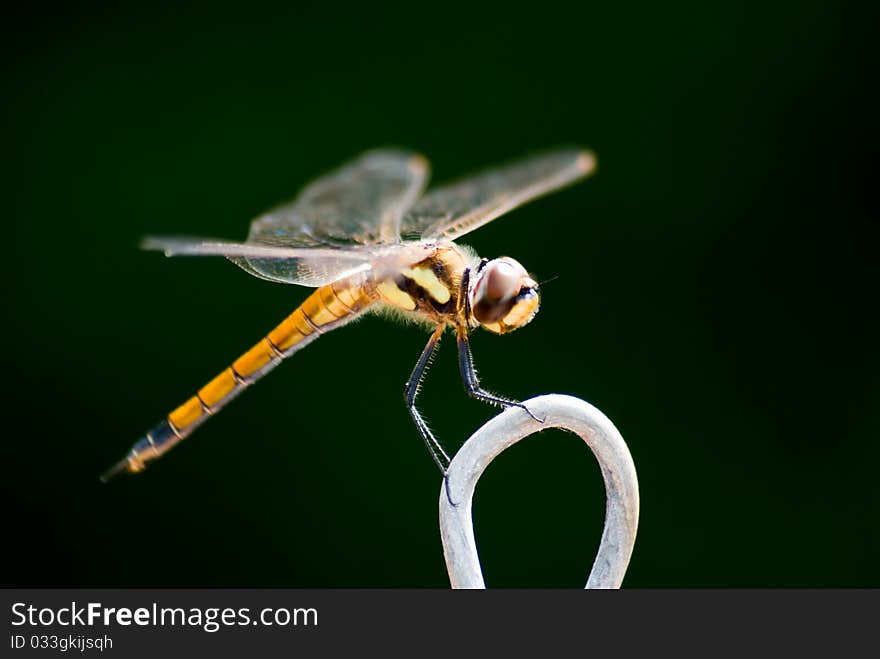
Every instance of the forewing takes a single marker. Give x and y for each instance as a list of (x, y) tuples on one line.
[(334, 228), (306, 266), (361, 203), (453, 210)]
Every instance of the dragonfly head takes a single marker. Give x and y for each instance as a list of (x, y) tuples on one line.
[(503, 297)]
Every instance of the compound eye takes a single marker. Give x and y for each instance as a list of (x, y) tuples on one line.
[(502, 281), (496, 289)]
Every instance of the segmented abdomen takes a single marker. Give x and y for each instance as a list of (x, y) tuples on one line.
[(327, 308)]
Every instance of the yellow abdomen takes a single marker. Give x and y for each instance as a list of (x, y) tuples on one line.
[(327, 308)]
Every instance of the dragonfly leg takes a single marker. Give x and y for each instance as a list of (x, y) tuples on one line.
[(412, 390), (472, 382)]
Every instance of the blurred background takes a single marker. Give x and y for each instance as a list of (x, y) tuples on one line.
[(714, 291)]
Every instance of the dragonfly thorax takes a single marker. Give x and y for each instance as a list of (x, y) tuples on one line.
[(503, 297)]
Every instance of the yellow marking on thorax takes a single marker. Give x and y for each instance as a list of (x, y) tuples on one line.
[(426, 278), (396, 297)]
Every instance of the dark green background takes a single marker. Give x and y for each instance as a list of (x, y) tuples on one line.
[(716, 291)]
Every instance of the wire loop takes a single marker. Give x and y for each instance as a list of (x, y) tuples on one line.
[(505, 430)]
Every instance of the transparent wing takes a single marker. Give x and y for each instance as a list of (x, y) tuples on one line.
[(455, 209), (333, 228), (361, 203), (306, 266)]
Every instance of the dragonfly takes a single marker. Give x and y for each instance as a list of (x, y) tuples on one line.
[(367, 237)]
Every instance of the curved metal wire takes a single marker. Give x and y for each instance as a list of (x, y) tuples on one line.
[(505, 430)]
